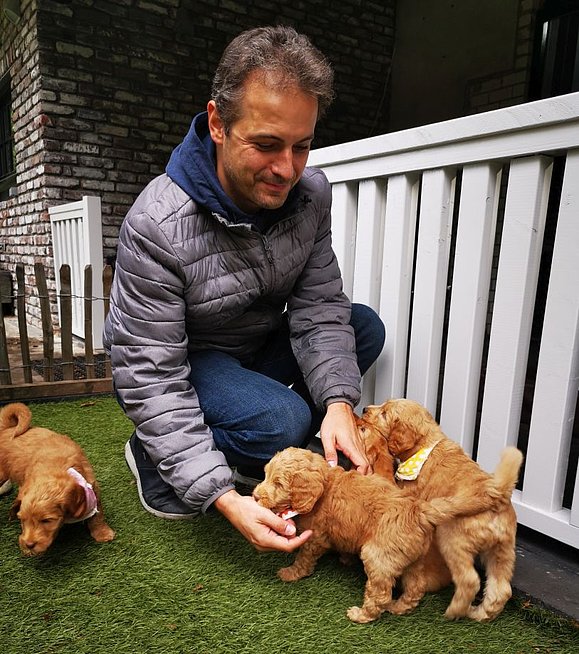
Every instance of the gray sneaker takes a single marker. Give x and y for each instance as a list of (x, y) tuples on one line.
[(156, 496)]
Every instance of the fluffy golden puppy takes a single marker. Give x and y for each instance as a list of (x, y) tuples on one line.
[(353, 514), (431, 568), (433, 466), (56, 483)]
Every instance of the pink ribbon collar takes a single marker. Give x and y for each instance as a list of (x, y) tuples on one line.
[(90, 495)]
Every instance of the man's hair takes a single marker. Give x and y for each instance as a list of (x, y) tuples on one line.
[(280, 51)]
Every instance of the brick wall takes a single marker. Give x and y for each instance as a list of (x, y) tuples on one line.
[(103, 91), (24, 226), (511, 85)]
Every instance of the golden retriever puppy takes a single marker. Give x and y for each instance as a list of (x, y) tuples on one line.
[(353, 514), (56, 483), (431, 568), (434, 466)]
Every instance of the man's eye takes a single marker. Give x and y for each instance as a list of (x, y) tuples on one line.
[(301, 148), (265, 147)]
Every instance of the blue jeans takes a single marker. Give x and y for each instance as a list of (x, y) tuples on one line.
[(251, 411)]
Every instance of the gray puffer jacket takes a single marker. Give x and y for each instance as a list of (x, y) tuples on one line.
[(187, 279)]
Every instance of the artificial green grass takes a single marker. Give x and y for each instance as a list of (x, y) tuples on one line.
[(199, 588)]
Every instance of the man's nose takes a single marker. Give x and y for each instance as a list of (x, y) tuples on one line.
[(283, 165)]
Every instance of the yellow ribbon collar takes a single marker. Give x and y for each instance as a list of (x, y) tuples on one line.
[(410, 469)]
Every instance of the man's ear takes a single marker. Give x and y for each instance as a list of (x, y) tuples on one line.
[(216, 127)]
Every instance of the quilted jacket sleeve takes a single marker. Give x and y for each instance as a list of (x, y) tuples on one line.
[(319, 314), (145, 333)]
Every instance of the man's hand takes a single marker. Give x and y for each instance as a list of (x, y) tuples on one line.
[(266, 531), (339, 432)]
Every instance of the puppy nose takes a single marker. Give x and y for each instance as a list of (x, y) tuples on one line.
[(255, 496), (29, 544)]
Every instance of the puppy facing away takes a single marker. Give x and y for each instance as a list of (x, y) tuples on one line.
[(353, 514), (56, 483), (434, 466), (431, 568)]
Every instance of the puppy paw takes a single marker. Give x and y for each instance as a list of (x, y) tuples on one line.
[(289, 574), (356, 614), (104, 534), (399, 608), (454, 613), (478, 613)]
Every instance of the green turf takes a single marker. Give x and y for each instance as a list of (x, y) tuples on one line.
[(199, 588)]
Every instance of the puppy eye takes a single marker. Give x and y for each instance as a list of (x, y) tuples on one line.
[(47, 520)]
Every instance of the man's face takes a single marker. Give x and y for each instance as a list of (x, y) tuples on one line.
[(265, 152)]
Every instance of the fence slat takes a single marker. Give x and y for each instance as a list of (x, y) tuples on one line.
[(88, 300), (66, 322), (436, 206), (344, 200), (107, 283), (399, 236), (517, 275), (555, 394), (477, 220), (46, 318), (5, 377), (22, 326)]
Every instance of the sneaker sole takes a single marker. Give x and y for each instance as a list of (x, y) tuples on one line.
[(6, 487), (130, 459)]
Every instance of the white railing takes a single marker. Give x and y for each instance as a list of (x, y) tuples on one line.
[(77, 241), (441, 229)]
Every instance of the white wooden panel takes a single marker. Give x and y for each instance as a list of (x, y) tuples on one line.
[(434, 228), (558, 366), (369, 242), (344, 200), (542, 126), (77, 241), (575, 508), (398, 262), (556, 524), (507, 123), (521, 243), (368, 260), (470, 290)]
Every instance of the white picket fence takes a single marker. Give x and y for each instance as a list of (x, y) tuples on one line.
[(77, 241), (440, 229)]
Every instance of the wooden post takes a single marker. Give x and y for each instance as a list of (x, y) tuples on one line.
[(107, 283), (47, 330), (66, 322), (5, 377), (22, 326), (88, 344)]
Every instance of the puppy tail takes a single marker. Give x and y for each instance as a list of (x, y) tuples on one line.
[(15, 419), (440, 509), (506, 474), (492, 496)]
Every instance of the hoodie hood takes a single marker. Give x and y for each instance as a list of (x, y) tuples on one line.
[(192, 167)]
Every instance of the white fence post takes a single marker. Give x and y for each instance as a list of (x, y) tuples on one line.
[(77, 241)]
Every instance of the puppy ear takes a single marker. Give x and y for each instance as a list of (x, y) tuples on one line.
[(402, 436), (13, 513), (74, 505), (306, 489)]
